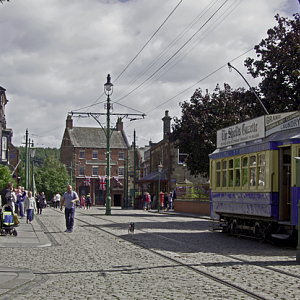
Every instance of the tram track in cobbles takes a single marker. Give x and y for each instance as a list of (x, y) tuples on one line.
[(191, 266)]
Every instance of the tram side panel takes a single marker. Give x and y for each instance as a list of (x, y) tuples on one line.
[(259, 201)]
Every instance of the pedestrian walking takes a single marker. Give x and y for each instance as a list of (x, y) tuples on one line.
[(39, 203), (30, 206), (21, 204), (57, 203), (144, 200), (17, 202), (148, 201), (68, 200), (166, 200), (170, 201), (82, 201), (88, 201), (6, 196), (13, 199), (43, 199)]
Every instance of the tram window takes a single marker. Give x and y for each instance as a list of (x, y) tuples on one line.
[(237, 177), (230, 172), (261, 176), (230, 183), (218, 174), (261, 159), (253, 177), (224, 178), (245, 162), (253, 160), (224, 173), (237, 165), (245, 177), (218, 179)]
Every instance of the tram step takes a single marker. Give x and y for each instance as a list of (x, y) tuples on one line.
[(280, 236), (216, 228)]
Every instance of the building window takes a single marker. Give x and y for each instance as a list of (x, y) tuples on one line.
[(95, 171), (4, 148), (121, 155), (81, 154), (95, 154), (181, 157), (121, 171), (81, 171)]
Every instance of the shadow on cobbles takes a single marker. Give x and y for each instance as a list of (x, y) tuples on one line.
[(182, 238)]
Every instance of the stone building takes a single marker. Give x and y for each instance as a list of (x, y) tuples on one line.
[(174, 169)]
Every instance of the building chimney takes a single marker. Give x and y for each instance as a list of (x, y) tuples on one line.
[(69, 122), (167, 125), (119, 124)]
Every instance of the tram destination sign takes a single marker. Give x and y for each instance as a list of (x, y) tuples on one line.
[(242, 132), (280, 122)]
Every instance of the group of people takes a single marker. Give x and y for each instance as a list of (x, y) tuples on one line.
[(21, 201), (85, 202), (165, 200)]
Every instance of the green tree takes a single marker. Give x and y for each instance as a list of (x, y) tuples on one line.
[(195, 133), (5, 177), (277, 64), (52, 177)]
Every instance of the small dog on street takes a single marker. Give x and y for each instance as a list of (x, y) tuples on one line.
[(131, 228)]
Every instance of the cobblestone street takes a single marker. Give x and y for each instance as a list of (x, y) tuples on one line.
[(168, 257)]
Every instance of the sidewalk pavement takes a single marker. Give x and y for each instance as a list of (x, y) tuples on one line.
[(29, 235), (33, 235)]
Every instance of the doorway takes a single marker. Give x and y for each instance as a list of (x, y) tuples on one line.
[(285, 184), (117, 199)]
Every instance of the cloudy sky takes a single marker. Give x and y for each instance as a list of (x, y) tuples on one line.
[(55, 56)]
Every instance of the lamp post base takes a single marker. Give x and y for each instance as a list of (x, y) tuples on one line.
[(108, 206)]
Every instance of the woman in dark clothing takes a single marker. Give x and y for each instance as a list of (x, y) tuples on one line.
[(166, 200)]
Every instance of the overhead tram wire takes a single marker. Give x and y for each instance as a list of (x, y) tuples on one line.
[(199, 81), (188, 27), (225, 65), (182, 54), (148, 41), (173, 54)]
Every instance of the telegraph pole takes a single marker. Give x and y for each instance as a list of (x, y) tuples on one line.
[(134, 171)]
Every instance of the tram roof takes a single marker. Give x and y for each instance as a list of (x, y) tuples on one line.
[(271, 142)]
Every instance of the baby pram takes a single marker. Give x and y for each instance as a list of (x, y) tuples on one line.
[(7, 221)]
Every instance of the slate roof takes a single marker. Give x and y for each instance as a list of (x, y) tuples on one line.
[(90, 137), (154, 176)]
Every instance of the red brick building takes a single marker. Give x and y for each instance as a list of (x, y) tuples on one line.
[(83, 151)]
